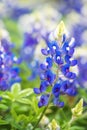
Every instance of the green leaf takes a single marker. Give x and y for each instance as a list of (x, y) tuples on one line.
[(8, 95), (14, 114), (23, 101), (3, 122), (15, 89), (22, 117), (4, 107), (77, 128), (25, 92)]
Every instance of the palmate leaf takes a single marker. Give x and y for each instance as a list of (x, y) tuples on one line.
[(23, 101), (15, 89), (16, 94), (7, 96), (25, 92)]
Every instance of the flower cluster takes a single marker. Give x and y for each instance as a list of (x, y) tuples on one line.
[(57, 74), (8, 72)]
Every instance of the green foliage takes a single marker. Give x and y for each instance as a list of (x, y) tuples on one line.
[(18, 108), (19, 111)]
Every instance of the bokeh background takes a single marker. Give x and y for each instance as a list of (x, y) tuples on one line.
[(27, 23)]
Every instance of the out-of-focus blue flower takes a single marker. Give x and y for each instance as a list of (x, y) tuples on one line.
[(82, 68), (68, 5), (8, 73), (34, 71), (56, 71), (27, 50), (78, 31), (14, 10)]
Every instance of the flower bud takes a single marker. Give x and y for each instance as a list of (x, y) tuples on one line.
[(78, 109), (53, 125)]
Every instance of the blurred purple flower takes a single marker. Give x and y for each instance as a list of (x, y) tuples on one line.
[(8, 74), (82, 68), (69, 5)]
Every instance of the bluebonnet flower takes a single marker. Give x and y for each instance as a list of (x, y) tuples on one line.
[(56, 71), (8, 73)]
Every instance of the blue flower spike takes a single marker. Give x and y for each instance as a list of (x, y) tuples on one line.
[(56, 71)]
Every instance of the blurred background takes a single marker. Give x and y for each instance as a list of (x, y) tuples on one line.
[(25, 26), (27, 23)]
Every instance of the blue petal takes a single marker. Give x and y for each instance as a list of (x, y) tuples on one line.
[(44, 99), (71, 92), (42, 76), (64, 38), (71, 51), (60, 104), (68, 74), (56, 90), (73, 76), (37, 90), (67, 58), (45, 52), (43, 66), (73, 62), (43, 87), (49, 61)]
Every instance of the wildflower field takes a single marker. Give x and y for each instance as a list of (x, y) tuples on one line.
[(43, 64)]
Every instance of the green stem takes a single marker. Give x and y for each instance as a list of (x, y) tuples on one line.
[(47, 105), (41, 116), (70, 122)]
